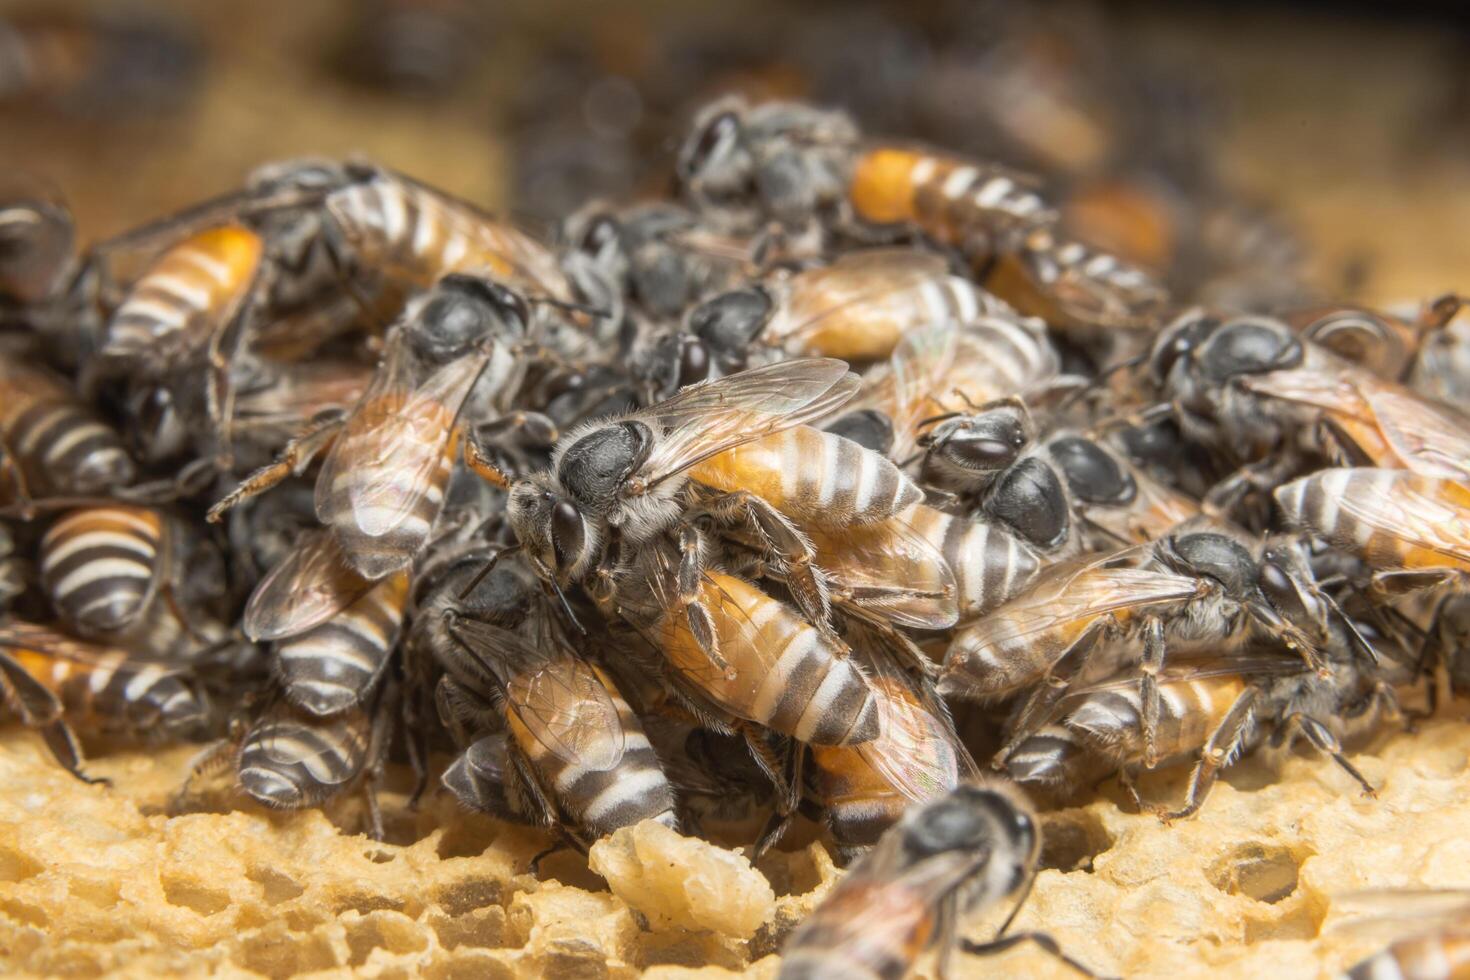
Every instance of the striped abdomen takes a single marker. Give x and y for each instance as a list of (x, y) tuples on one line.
[(601, 800), (1360, 510), (189, 292), (100, 566), (407, 231), (1440, 955), (60, 446), (292, 760), (787, 675), (336, 665), (106, 690), (949, 199), (990, 565), (380, 510), (1110, 721), (1068, 283), (813, 477)]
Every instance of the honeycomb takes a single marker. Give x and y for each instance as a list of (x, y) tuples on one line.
[(103, 880)]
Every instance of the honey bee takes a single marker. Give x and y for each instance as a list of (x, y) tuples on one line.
[(970, 849), (1252, 390), (627, 478), (56, 684), (855, 309), (37, 238), (177, 319), (792, 158), (382, 483), (916, 757), (1191, 588), (575, 755), (1436, 947), (289, 760), (116, 573), (778, 671), (50, 443), (1442, 367), (1210, 716), (1001, 220)]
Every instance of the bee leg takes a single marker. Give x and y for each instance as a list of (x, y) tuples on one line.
[(539, 429), (41, 710), (788, 800), (690, 580), (10, 468), (479, 463), (299, 452), (1225, 497), (1036, 710), (1325, 742), (1044, 940), (1128, 779), (1339, 446), (1219, 749), (208, 760), (1151, 664), (797, 557)]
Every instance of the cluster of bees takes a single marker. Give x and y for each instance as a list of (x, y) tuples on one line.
[(746, 500)]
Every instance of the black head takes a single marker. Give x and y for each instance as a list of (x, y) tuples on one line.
[(985, 443), (1092, 474), (674, 360), (552, 529), (461, 313), (712, 154), (1285, 578), (974, 820), (159, 429), (1247, 346), (731, 321), (1217, 557), (601, 239), (1177, 343)]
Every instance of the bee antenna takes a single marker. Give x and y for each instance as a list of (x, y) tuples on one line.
[(1020, 902), (555, 587), (489, 566), (1103, 375), (1153, 413), (570, 307)]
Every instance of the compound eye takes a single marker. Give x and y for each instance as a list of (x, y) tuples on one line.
[(1178, 343), (511, 306), (717, 140), (693, 362), (567, 535), (601, 237)]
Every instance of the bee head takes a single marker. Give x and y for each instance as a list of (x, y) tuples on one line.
[(1177, 343), (986, 442), (713, 158), (552, 529), (159, 431), (461, 313), (981, 822)]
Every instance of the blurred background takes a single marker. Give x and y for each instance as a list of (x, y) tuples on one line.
[(1347, 129)]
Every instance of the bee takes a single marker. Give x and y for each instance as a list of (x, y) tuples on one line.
[(990, 564), (289, 759), (855, 309), (576, 755), (37, 242), (1211, 714), (1191, 588), (56, 684), (1412, 531), (1006, 227), (779, 671), (968, 850), (916, 757), (1435, 949), (1251, 389), (1063, 494), (116, 573), (177, 319), (792, 159), (1443, 366), (336, 666), (889, 571), (382, 483), (50, 442), (628, 478)]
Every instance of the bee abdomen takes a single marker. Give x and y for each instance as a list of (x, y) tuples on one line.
[(335, 666), (990, 565), (832, 481), (376, 538), (98, 566), (397, 226), (68, 451), (634, 790), (816, 694), (290, 762)]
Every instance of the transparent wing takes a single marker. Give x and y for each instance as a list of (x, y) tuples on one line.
[(1432, 514), (1245, 665), (306, 588), (892, 570), (878, 284), (917, 750), (1431, 439), (1330, 391), (707, 419)]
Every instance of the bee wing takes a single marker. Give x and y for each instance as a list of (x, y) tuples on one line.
[(556, 694), (1431, 439), (917, 750), (1331, 391), (306, 588), (894, 571), (1154, 511), (919, 364), (707, 419), (570, 712), (1246, 665), (1091, 592), (386, 455), (1429, 513), (1393, 913), (874, 284)]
